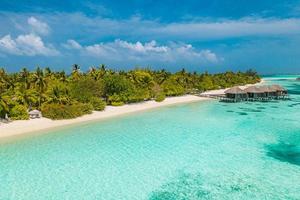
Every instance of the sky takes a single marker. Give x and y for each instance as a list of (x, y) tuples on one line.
[(199, 35)]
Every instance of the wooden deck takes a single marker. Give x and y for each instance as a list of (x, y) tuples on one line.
[(223, 98)]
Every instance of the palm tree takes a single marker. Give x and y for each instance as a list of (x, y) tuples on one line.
[(40, 83), (62, 76), (48, 73), (161, 76), (75, 71), (58, 95), (3, 78), (3, 106), (93, 73), (25, 96), (2, 73), (24, 76), (102, 71)]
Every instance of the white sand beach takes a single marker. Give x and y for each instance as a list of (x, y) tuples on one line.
[(21, 127)]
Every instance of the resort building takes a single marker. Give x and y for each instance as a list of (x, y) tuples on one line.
[(35, 114), (236, 94), (254, 93)]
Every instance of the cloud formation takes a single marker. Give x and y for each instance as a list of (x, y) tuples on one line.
[(72, 44), (227, 43), (192, 30), (145, 52), (28, 45), (38, 26), (229, 28)]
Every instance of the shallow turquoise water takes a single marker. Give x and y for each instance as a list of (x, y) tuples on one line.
[(206, 150)]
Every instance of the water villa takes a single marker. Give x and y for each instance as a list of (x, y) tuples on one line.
[(254, 93), (235, 93)]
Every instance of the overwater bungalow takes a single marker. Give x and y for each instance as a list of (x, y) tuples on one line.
[(280, 92), (269, 92), (255, 93), (235, 94)]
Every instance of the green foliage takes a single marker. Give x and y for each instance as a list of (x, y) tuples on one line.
[(64, 96), (116, 98), (119, 103), (137, 95), (141, 78), (116, 85), (60, 111), (160, 97), (84, 89), (19, 112), (172, 88), (98, 104), (206, 83), (58, 93), (4, 108)]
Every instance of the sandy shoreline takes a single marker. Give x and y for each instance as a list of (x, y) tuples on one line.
[(22, 127)]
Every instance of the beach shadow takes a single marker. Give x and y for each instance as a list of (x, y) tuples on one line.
[(284, 152)]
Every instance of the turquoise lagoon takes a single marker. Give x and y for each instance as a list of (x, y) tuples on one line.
[(205, 150)]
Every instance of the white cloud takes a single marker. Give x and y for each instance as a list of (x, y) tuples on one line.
[(97, 28), (139, 47), (38, 26), (72, 44), (120, 50), (9, 45), (192, 30), (29, 45), (229, 28)]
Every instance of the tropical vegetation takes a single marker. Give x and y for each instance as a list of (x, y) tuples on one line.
[(62, 96)]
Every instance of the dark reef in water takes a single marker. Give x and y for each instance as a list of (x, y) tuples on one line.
[(285, 152), (260, 107), (294, 104), (186, 186), (192, 187), (274, 106), (242, 113), (250, 110)]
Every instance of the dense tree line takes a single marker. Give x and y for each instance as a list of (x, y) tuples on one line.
[(60, 95)]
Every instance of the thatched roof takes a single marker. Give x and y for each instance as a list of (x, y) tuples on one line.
[(253, 89), (34, 112), (267, 88), (235, 90), (277, 88)]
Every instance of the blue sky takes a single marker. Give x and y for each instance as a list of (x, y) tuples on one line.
[(200, 35)]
